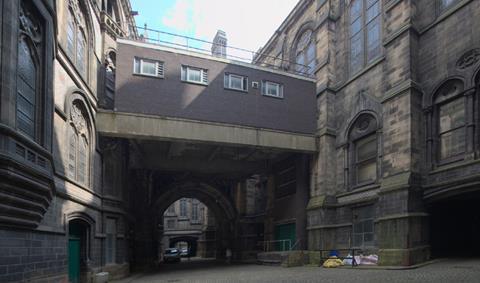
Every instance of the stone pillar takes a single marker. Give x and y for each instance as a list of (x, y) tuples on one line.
[(269, 234), (301, 200)]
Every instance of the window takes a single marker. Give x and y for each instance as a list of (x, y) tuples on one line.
[(448, 122), (305, 57), (195, 211), (111, 239), (148, 67), (272, 89), (365, 33), (29, 66), (78, 145), (183, 207), (194, 75), (76, 37), (171, 224), (363, 227), (445, 4), (363, 151), (237, 82), (171, 209)]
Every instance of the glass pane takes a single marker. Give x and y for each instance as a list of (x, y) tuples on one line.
[(368, 226), (373, 11), (25, 107), (358, 227), (81, 53), (25, 92), (355, 27), (446, 3), (194, 75), (236, 82), (366, 148), (136, 67), (272, 89), (300, 62), (70, 35), (368, 239), (149, 67), (72, 153), (356, 10), (452, 143), (367, 171), (373, 39), (26, 66), (25, 124), (358, 240), (82, 161), (452, 115), (356, 53)]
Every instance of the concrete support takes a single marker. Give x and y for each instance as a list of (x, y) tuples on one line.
[(301, 200)]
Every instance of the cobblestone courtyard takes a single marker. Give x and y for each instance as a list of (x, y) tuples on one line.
[(461, 270)]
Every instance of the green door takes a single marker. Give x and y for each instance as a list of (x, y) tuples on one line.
[(74, 260), (285, 232)]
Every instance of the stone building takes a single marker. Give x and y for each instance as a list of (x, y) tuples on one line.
[(187, 224), (358, 122), (58, 214), (397, 89)]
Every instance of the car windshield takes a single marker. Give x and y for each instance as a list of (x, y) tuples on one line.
[(171, 251)]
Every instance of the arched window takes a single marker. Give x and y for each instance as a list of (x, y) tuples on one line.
[(78, 149), (183, 207), (77, 37), (365, 33), (28, 66), (305, 57), (363, 151), (449, 122)]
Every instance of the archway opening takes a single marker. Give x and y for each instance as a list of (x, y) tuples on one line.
[(189, 227), (455, 226)]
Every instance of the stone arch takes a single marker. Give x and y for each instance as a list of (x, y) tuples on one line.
[(222, 207), (453, 81)]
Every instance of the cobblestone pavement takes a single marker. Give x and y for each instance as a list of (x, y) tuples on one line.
[(453, 270)]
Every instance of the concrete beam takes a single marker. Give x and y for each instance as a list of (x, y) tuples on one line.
[(140, 126)]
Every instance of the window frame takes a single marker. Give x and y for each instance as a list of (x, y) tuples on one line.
[(442, 9), (185, 72), (356, 219), (304, 67), (437, 132), (113, 259), (159, 67), (81, 66), (279, 89), (363, 32), (227, 82), (369, 159)]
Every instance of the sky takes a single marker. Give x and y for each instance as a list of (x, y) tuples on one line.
[(249, 24)]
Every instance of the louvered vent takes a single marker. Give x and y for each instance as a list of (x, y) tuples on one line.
[(205, 77), (160, 69)]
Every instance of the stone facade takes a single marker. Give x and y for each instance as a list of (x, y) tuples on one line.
[(51, 157), (425, 47)]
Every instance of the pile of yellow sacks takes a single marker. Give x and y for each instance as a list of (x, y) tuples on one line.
[(332, 262)]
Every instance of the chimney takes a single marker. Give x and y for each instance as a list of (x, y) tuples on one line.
[(219, 46)]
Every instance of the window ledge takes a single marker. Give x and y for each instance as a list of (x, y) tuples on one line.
[(271, 96), (359, 189), (148, 76), (237, 90), (452, 166), (195, 83)]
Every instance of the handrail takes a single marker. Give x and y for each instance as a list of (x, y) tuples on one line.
[(294, 245), (266, 244), (198, 45)]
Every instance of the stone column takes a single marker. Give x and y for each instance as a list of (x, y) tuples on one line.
[(301, 200)]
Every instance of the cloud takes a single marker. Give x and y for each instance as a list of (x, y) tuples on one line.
[(248, 23)]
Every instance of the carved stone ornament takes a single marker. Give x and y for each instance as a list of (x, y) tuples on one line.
[(29, 24), (468, 59), (78, 120), (77, 13)]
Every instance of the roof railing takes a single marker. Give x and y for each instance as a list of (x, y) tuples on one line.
[(188, 43)]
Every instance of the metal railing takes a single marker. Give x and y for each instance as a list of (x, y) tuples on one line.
[(273, 246), (188, 43)]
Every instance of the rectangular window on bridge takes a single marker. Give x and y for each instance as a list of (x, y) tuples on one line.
[(236, 82), (194, 75), (148, 67), (272, 89)]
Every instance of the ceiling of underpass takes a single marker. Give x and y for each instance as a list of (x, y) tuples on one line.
[(202, 159)]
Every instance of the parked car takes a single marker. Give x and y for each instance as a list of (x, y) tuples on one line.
[(171, 255), (184, 252)]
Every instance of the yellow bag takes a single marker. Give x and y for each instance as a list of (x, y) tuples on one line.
[(332, 262)]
